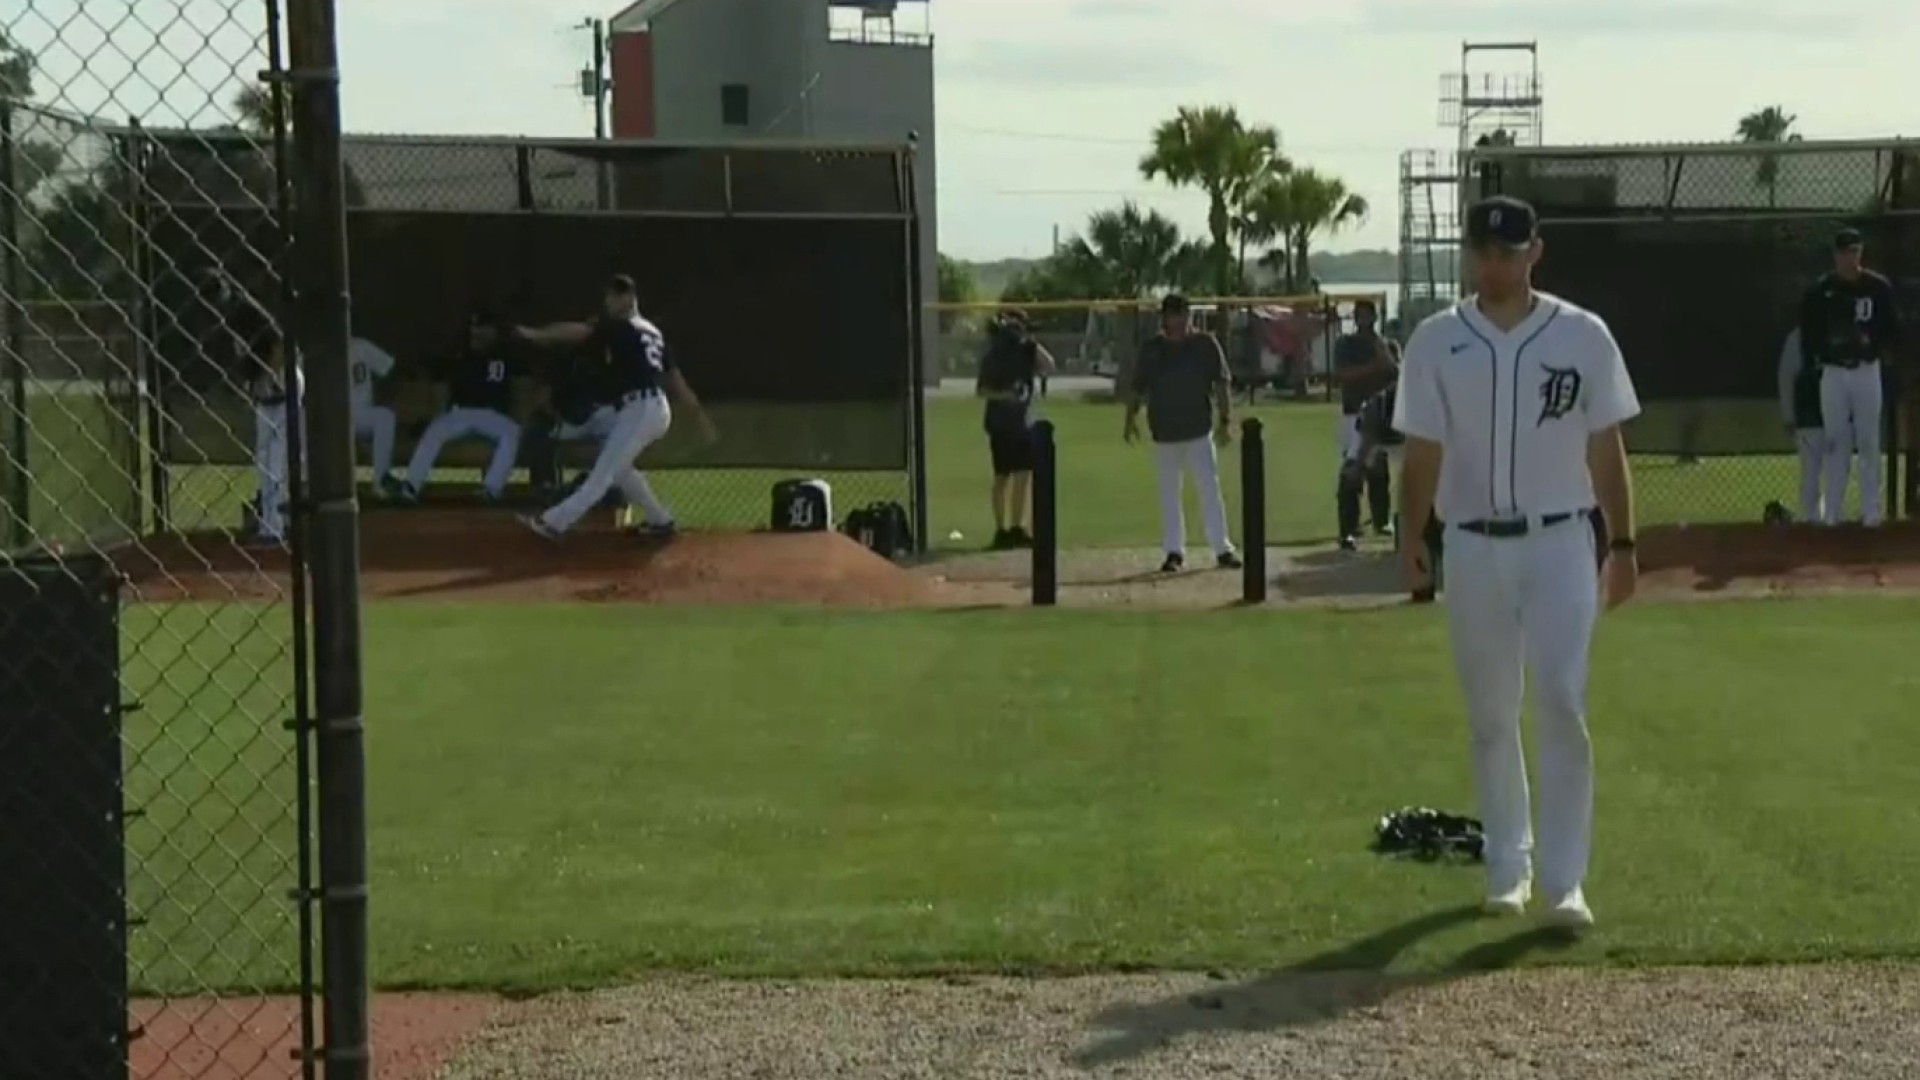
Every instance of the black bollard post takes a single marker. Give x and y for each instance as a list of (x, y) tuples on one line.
[(1253, 508), (1046, 532)]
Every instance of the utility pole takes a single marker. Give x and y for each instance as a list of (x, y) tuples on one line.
[(593, 79), (594, 86)]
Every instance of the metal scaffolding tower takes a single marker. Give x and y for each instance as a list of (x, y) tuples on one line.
[(1493, 100)]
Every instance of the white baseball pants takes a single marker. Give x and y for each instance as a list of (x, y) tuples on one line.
[(1850, 405), (641, 422), (459, 422), (1812, 446), (270, 466), (377, 423), (635, 487), (1175, 461), (1520, 607)]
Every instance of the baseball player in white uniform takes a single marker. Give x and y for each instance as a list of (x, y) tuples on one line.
[(1800, 407), (1511, 403), (368, 363)]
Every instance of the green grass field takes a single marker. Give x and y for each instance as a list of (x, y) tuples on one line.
[(767, 791), (1107, 498)]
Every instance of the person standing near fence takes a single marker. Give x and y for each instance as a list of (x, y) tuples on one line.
[(1512, 403), (1181, 377), (1009, 370), (1363, 365), (1800, 407), (1849, 324), (254, 350)]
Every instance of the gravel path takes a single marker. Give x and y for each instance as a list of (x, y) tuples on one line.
[(1130, 578), (1858, 1022)]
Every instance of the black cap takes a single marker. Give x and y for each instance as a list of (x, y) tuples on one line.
[(1848, 237), (622, 284), (1501, 221), (1174, 304)]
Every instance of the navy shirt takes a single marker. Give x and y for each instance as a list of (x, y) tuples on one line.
[(1353, 351), (579, 386), (1848, 322), (636, 355), (483, 379), (1010, 366), (251, 337)]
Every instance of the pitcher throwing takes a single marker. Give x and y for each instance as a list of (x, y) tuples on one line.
[(639, 368), (1512, 403)]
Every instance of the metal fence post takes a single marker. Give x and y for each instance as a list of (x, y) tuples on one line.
[(1253, 509), (13, 314), (917, 353), (1046, 531), (340, 753)]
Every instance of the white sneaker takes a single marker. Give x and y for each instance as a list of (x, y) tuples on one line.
[(1569, 912), (1509, 902)]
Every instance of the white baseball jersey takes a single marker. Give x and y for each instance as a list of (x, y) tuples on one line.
[(1791, 361), (1513, 411), (367, 362)]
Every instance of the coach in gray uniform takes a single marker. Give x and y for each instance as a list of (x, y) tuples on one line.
[(1183, 379)]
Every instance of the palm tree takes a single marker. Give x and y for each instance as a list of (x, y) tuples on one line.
[(1772, 124), (1130, 251), (1213, 150), (1290, 209)]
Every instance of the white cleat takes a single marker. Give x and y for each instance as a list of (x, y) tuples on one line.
[(1509, 902), (1569, 912), (538, 527)]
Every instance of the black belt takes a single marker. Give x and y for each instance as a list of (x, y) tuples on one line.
[(270, 401), (632, 396), (1508, 528), (1848, 365)]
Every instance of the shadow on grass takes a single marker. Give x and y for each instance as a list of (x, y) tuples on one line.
[(1316, 990)]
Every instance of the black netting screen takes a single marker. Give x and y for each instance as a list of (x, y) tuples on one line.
[(1698, 260), (780, 276)]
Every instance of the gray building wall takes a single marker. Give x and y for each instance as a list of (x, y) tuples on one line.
[(801, 85)]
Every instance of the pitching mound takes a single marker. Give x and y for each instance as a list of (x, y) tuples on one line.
[(467, 554), (1746, 559)]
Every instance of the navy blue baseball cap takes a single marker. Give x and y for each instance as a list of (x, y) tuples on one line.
[(1501, 221), (1847, 239)]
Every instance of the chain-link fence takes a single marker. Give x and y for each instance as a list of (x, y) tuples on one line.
[(1698, 256), (159, 891), (1276, 346), (781, 278)]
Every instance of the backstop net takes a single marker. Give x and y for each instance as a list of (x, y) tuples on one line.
[(784, 279), (1697, 256)]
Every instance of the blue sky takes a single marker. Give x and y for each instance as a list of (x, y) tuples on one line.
[(1045, 104)]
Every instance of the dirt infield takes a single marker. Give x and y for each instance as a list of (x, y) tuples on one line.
[(414, 1036), (479, 554), (1750, 559), (476, 554)]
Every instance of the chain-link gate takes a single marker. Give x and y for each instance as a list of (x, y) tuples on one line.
[(1698, 257), (160, 899)]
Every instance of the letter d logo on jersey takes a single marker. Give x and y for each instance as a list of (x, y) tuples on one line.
[(1559, 394)]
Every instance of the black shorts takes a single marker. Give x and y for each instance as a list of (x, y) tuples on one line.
[(1011, 445)]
